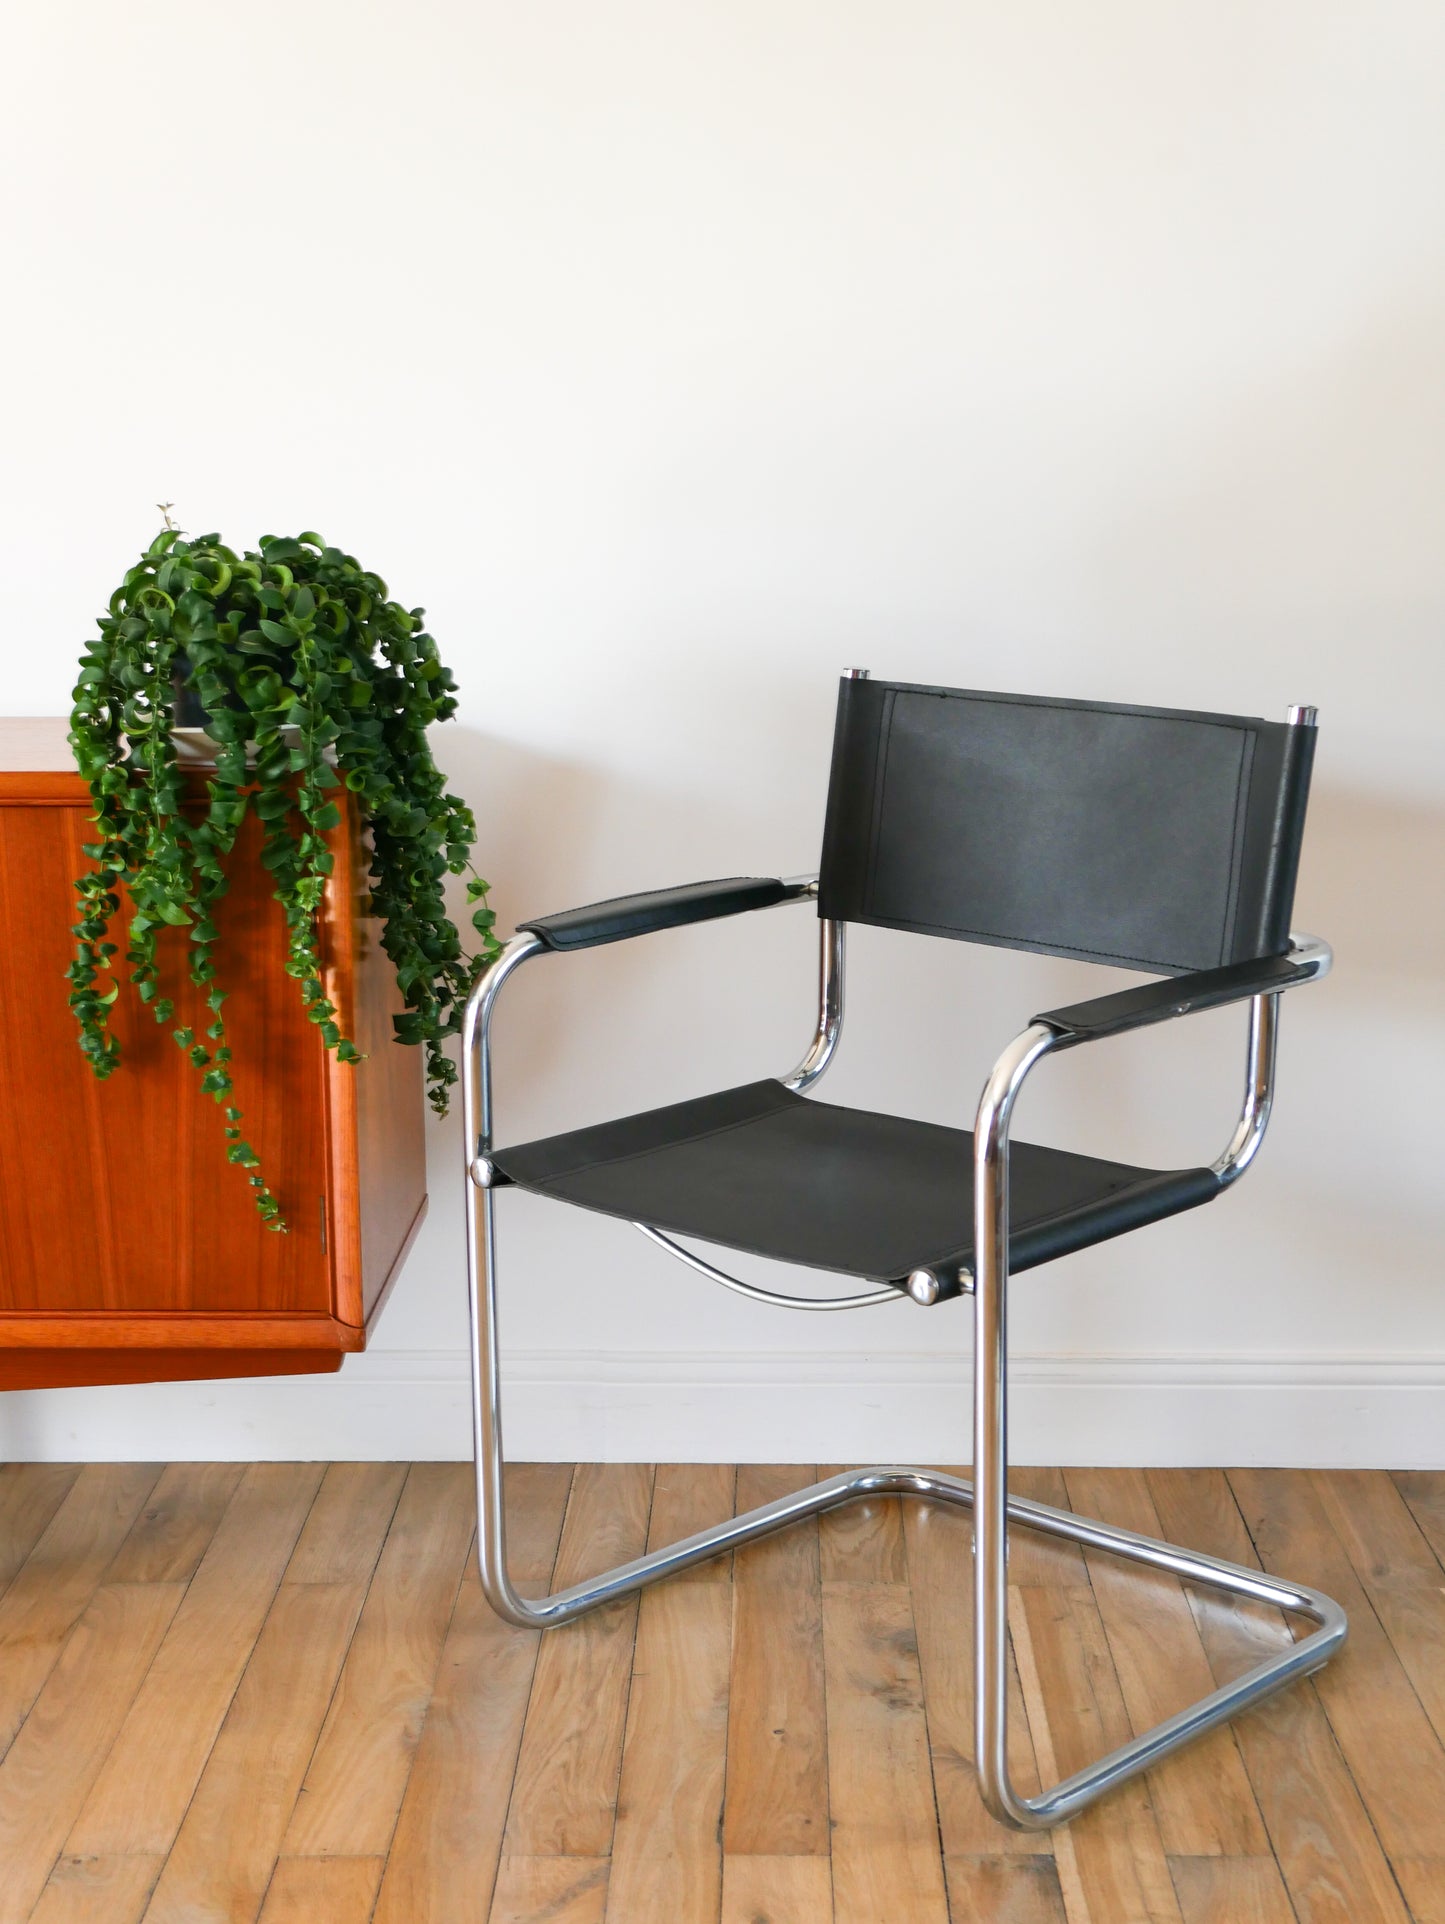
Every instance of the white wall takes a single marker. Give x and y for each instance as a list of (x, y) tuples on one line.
[(676, 355)]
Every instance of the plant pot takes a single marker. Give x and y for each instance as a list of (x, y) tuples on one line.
[(189, 710)]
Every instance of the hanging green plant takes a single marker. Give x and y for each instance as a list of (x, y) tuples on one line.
[(306, 676)]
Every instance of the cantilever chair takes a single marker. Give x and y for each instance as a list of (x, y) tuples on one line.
[(1162, 840)]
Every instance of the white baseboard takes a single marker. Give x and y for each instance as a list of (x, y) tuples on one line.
[(1384, 1411)]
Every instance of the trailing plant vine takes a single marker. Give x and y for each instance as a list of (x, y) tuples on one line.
[(309, 678)]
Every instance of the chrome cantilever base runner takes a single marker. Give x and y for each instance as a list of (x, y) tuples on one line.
[(1066, 1799), (994, 1508), (1054, 1806)]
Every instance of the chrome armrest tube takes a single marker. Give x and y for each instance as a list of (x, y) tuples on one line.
[(1261, 1055), (1261, 1051), (1308, 952), (832, 955), (477, 1051), (477, 1120)]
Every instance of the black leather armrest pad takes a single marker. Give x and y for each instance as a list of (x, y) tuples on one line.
[(627, 915), (1176, 995)]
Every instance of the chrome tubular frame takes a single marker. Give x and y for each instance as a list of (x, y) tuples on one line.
[(776, 1299), (1260, 1063), (831, 957), (1260, 1053), (987, 1496)]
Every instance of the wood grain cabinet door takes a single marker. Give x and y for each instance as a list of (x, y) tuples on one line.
[(122, 1226)]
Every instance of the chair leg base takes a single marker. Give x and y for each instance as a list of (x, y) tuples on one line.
[(1066, 1799)]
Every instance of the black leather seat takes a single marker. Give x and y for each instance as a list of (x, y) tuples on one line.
[(768, 1171)]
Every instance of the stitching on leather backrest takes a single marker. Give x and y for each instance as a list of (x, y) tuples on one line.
[(1242, 728), (1243, 785)]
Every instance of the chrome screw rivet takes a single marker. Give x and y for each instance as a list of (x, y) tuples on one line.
[(923, 1286)]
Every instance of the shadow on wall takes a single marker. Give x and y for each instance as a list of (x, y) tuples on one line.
[(535, 813), (1360, 1202), (553, 834), (1370, 877), (1371, 1078), (1362, 1056)]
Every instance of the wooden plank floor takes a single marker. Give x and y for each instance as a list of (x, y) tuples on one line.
[(277, 1694)]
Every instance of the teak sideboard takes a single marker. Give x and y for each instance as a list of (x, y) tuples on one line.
[(130, 1250)]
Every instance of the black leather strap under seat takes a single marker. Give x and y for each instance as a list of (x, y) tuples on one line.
[(761, 1169)]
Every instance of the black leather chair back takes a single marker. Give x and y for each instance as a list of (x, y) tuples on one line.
[(1153, 838)]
